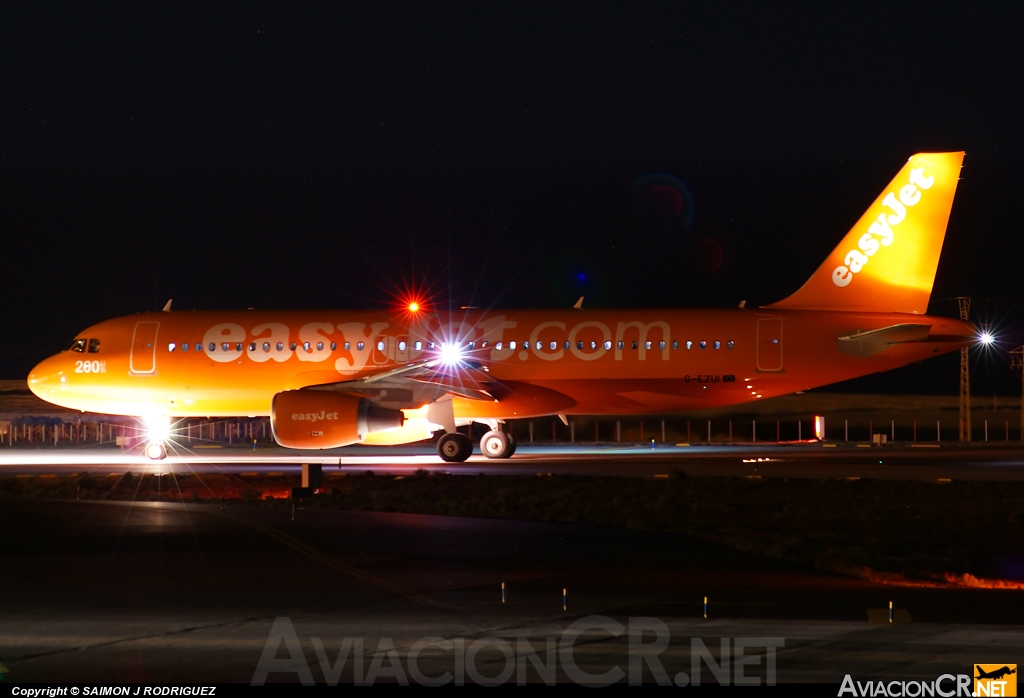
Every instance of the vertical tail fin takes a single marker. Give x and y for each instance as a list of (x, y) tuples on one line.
[(888, 259)]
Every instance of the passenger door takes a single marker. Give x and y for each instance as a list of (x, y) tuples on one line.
[(143, 356)]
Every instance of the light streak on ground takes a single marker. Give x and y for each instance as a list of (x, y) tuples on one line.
[(785, 460)]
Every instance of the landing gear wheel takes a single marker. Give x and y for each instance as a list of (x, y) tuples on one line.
[(512, 444), (156, 451), (454, 448), (496, 444)]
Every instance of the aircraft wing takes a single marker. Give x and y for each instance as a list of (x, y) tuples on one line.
[(415, 385), (420, 383)]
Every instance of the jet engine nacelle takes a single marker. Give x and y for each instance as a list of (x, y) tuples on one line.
[(316, 419)]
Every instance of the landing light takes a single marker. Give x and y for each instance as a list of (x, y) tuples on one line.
[(414, 307), (986, 339), (158, 428)]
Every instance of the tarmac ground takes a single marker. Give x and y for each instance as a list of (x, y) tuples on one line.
[(100, 592)]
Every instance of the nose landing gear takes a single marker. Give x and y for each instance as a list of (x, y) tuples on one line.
[(156, 450)]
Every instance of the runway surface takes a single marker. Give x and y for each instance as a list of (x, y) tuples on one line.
[(177, 593), (991, 462)]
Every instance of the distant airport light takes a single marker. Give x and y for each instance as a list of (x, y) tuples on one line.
[(819, 427), (986, 339)]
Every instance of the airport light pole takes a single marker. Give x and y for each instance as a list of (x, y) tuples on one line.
[(964, 304), (1017, 362)]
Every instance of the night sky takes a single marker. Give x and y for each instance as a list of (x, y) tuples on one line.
[(496, 154)]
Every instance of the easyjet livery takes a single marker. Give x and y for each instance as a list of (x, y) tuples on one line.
[(332, 378)]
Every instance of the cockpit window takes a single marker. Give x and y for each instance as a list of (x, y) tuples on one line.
[(77, 345), (94, 346)]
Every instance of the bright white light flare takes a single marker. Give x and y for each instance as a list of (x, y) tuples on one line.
[(986, 339), (158, 428), (451, 353)]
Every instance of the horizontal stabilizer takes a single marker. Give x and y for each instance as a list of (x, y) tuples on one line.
[(873, 341)]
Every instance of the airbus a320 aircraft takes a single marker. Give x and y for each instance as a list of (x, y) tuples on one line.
[(332, 378)]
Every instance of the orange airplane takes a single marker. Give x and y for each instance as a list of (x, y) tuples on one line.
[(332, 378)]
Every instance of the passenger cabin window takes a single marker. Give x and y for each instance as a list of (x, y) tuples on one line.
[(418, 345), (633, 344), (319, 346), (225, 346), (94, 346), (334, 345), (619, 345), (607, 344), (292, 346), (199, 347), (252, 346), (703, 344), (77, 346), (498, 345), (593, 345), (280, 346), (212, 347), (266, 347), (675, 344), (718, 345), (380, 345), (171, 346), (512, 345), (472, 346), (348, 346), (730, 344), (360, 346), (661, 344), (526, 344), (689, 344), (184, 346), (647, 346)]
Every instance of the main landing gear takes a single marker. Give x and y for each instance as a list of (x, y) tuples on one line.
[(497, 444), (456, 447)]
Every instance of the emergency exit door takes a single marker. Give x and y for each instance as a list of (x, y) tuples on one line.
[(143, 356), (769, 344)]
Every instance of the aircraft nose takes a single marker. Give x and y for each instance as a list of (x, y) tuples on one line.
[(42, 378)]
